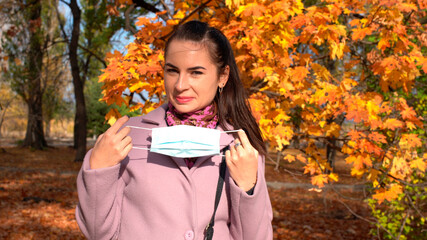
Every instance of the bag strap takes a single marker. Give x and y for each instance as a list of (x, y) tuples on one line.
[(209, 228)]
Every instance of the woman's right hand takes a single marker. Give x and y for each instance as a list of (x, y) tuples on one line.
[(112, 146)]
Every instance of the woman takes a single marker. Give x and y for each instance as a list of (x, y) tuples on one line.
[(126, 192)]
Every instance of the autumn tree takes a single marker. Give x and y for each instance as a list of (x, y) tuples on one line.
[(46, 92), (310, 66), (25, 51), (94, 24)]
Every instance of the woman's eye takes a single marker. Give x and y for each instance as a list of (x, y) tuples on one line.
[(197, 73), (171, 70)]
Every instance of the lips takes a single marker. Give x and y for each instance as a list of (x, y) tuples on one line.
[(181, 99)]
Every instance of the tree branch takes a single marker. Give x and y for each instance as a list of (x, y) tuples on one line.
[(128, 27), (362, 218), (166, 8), (61, 24), (403, 225), (145, 5), (93, 54), (186, 17), (66, 3)]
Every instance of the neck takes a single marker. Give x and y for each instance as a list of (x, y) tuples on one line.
[(205, 117)]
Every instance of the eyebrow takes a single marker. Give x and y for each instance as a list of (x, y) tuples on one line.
[(191, 69)]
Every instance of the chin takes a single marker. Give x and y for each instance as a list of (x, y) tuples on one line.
[(183, 108)]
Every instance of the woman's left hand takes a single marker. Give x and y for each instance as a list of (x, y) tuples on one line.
[(242, 162)]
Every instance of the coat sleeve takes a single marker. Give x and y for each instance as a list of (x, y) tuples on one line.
[(251, 215), (100, 193)]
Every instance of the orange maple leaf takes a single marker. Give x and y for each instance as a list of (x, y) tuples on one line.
[(289, 158), (356, 135), (393, 124), (410, 140), (390, 194), (301, 158), (319, 180), (377, 137), (360, 33)]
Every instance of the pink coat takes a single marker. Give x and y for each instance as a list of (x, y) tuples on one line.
[(154, 196)]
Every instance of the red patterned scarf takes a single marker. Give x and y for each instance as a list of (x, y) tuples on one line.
[(206, 117)]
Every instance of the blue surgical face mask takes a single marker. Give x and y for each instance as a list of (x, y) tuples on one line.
[(184, 141)]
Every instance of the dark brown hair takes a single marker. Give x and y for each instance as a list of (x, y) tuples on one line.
[(233, 107)]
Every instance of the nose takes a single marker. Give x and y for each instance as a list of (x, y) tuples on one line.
[(182, 83)]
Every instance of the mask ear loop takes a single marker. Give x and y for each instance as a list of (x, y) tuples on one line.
[(140, 128), (140, 148), (240, 130), (150, 129)]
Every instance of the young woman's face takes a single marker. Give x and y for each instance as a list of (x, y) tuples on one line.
[(191, 78)]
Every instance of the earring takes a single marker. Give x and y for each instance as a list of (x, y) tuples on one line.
[(220, 89)]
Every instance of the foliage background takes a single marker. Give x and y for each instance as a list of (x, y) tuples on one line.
[(310, 66)]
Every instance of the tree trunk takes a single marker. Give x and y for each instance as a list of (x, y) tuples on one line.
[(80, 117), (3, 113), (47, 129), (34, 136)]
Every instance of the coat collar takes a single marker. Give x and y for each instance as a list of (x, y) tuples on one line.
[(156, 117)]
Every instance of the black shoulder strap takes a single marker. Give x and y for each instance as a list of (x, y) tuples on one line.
[(209, 228)]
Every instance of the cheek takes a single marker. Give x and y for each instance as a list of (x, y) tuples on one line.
[(211, 88), (168, 81), (168, 87)]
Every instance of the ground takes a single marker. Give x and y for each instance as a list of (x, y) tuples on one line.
[(38, 198)]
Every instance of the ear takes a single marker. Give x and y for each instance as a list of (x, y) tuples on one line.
[(223, 77)]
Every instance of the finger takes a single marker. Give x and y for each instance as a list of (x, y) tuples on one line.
[(99, 138), (244, 139), (228, 158), (127, 149), (227, 155), (233, 153), (123, 133), (237, 143), (126, 141), (118, 124)]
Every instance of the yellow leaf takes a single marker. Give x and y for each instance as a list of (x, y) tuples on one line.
[(357, 172), (321, 71), (337, 50), (333, 177), (333, 130), (230, 3), (419, 163), (138, 86), (373, 174), (315, 130), (112, 116)]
